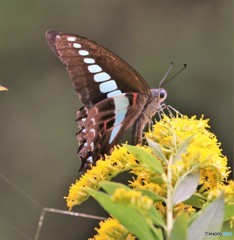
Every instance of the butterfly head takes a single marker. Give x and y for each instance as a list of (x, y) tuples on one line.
[(159, 95)]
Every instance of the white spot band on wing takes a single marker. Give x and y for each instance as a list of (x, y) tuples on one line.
[(114, 133), (121, 105), (101, 77), (83, 52), (108, 86), (94, 68), (71, 39), (89, 60), (114, 93), (76, 45), (121, 102), (90, 159)]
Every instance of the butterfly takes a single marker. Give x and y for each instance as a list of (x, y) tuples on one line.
[(114, 95)]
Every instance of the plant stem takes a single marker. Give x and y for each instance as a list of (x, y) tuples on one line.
[(169, 198)]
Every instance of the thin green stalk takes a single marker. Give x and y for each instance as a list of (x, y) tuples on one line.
[(169, 198)]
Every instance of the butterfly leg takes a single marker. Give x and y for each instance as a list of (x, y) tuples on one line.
[(138, 128), (171, 111), (150, 125)]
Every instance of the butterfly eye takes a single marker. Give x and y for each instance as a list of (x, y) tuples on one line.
[(162, 94)]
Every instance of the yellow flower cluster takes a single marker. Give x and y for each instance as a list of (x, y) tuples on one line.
[(144, 183), (111, 229), (120, 160), (228, 190), (177, 210), (183, 208), (133, 198), (203, 151)]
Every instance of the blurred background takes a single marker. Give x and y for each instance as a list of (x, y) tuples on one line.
[(38, 147)]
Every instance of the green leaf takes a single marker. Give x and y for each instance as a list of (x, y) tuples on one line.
[(153, 196), (196, 200), (180, 227), (126, 215), (157, 150), (185, 187), (110, 187), (182, 148), (154, 215), (159, 233), (229, 231), (229, 211), (157, 179), (146, 158), (210, 220)]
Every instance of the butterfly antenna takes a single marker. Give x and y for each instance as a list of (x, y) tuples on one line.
[(163, 82), (165, 76)]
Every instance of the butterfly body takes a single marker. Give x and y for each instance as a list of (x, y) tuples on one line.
[(114, 95)]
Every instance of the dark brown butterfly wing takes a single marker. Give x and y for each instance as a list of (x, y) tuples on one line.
[(103, 125), (113, 93), (96, 72)]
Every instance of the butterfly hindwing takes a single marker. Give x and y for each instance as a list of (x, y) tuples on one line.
[(103, 125), (96, 72)]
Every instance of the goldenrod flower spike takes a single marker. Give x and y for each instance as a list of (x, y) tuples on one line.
[(133, 198), (120, 160), (111, 229), (202, 152)]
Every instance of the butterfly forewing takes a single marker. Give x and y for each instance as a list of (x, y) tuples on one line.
[(96, 72)]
